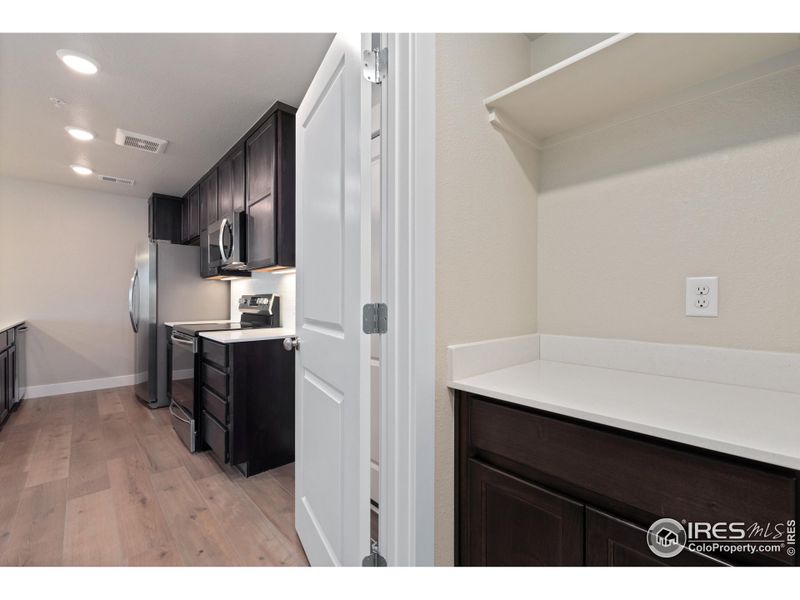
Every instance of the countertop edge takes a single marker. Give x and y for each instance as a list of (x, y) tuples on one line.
[(724, 447), (11, 325)]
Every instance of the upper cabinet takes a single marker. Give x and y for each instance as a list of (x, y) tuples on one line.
[(208, 200), (231, 183), (164, 218), (191, 214), (256, 176), (270, 193)]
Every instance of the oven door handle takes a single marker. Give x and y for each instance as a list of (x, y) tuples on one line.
[(176, 416), (182, 341)]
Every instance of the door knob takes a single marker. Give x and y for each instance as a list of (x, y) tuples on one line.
[(291, 343)]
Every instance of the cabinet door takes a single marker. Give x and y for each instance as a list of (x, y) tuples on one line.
[(261, 250), (194, 212), (514, 523), (238, 179), (208, 200), (185, 220), (612, 542), (225, 187)]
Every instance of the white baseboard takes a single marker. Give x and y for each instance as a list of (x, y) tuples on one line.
[(71, 387)]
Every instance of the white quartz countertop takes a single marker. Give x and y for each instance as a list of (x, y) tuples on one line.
[(176, 323), (10, 324), (248, 335), (748, 422)]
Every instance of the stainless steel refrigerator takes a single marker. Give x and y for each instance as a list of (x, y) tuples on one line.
[(166, 286)]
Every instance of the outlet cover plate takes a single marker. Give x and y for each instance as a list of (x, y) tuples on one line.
[(702, 296)]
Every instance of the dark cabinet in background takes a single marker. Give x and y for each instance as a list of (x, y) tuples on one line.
[(231, 183), (270, 193), (256, 176), (208, 200), (164, 218), (191, 208)]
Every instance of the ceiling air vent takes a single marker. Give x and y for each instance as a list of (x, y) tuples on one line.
[(140, 141), (112, 179)]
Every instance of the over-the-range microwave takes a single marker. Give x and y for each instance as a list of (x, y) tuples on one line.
[(227, 242)]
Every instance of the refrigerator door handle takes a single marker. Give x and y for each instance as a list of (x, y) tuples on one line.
[(134, 280)]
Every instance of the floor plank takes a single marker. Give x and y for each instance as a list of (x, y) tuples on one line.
[(255, 539), (37, 533), (90, 535), (13, 482), (275, 503), (49, 460), (142, 526), (198, 534), (88, 469)]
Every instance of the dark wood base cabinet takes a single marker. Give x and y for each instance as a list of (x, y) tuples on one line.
[(246, 400), (539, 489)]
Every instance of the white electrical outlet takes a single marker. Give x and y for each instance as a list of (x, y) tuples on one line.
[(702, 296)]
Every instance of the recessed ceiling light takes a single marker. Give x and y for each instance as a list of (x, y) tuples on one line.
[(78, 62), (81, 170), (80, 134)]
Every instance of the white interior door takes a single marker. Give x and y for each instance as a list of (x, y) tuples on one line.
[(333, 282)]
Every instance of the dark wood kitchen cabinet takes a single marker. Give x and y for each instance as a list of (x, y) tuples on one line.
[(538, 488), (164, 219), (191, 215), (513, 522), (246, 394), (257, 175), (270, 192), (208, 200), (231, 181)]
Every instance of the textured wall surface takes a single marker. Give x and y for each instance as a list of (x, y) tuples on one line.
[(66, 258), (485, 225), (711, 187)]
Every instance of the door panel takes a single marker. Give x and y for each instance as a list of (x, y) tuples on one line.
[(333, 268), (516, 523), (612, 542)]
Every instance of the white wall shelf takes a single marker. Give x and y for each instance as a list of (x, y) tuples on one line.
[(628, 75)]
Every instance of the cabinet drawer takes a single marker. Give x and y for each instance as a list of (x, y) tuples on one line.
[(515, 523), (215, 353), (657, 479), (612, 542), (216, 437), (215, 379), (214, 405)]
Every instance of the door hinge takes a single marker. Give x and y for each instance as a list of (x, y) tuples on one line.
[(374, 558), (376, 318), (375, 62)]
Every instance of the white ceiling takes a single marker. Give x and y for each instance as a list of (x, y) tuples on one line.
[(201, 92)]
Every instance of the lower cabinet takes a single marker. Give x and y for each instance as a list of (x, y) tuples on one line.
[(6, 398), (535, 488), (612, 542), (513, 522), (247, 401)]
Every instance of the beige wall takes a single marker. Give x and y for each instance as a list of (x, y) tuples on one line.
[(66, 256), (485, 225), (708, 188)]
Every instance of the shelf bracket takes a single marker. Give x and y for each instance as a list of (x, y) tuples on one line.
[(506, 126)]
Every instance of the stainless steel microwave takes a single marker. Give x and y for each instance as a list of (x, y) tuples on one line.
[(227, 242)]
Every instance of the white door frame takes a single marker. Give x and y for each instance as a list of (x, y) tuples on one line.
[(408, 138)]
